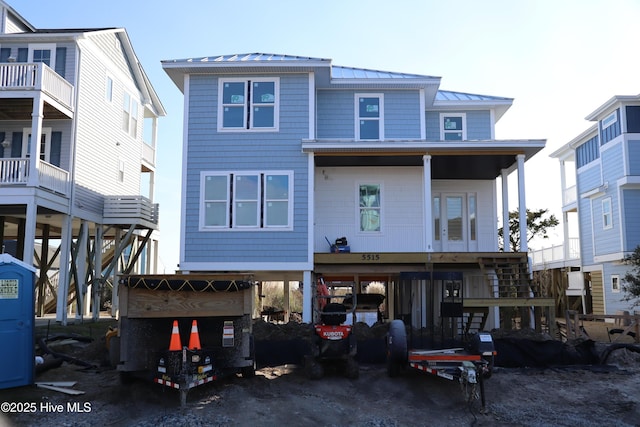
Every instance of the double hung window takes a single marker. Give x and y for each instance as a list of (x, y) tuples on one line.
[(246, 200), (369, 195), (248, 104)]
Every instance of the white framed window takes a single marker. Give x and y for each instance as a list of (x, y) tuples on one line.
[(453, 126), (436, 218), (615, 283), (108, 89), (369, 116), (369, 207), (607, 216), (44, 53), (121, 170), (45, 144), (248, 104), (246, 200), (130, 115)]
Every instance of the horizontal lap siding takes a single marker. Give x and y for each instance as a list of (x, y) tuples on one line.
[(99, 132), (208, 150), (478, 124), (402, 115), (633, 159), (607, 241), (337, 209), (336, 114), (631, 206)]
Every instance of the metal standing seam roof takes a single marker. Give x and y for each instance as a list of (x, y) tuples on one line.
[(447, 95), (339, 72)]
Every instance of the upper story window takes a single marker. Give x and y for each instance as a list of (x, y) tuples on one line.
[(246, 200), (609, 120), (109, 89), (42, 53), (588, 152), (248, 104), (453, 127), (607, 216), (369, 116), (130, 116), (615, 283), (370, 207)]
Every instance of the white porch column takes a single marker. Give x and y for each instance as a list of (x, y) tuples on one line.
[(522, 205), (565, 215), (287, 300), (36, 134), (30, 232), (307, 296), (63, 277), (428, 206), (505, 211)]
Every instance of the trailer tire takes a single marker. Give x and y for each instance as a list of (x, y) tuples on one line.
[(397, 351)]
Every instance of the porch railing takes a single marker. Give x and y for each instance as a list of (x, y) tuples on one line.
[(557, 252), (124, 209), (36, 76), (15, 171)]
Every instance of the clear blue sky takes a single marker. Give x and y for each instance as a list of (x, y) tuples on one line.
[(559, 59)]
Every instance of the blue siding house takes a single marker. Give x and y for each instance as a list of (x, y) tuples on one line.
[(283, 154), (607, 199)]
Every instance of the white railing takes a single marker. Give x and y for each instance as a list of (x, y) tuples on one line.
[(557, 252), (119, 209), (53, 178), (15, 171), (148, 154), (38, 76)]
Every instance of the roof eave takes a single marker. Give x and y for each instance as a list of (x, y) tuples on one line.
[(607, 106)]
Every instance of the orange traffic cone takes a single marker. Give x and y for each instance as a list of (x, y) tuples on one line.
[(175, 343), (194, 338)]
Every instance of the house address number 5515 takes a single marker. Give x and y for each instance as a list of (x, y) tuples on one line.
[(370, 257)]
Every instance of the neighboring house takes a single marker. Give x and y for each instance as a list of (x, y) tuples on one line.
[(282, 153), (86, 186), (606, 198)]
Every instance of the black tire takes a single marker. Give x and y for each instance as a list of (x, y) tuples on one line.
[(397, 351), (352, 369), (248, 371)]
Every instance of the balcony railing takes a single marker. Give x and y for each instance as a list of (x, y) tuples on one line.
[(557, 252), (16, 171), (130, 209), (36, 76), (149, 154)]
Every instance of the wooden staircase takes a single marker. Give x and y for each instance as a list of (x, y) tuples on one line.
[(512, 274), (474, 319)]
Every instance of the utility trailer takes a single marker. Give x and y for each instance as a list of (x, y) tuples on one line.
[(469, 365), (184, 330)]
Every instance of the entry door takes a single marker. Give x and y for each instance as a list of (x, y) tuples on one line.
[(454, 223)]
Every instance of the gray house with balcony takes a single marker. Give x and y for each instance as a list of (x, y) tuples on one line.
[(78, 120)]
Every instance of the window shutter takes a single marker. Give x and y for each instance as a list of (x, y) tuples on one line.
[(56, 146), (5, 53), (61, 60), (16, 144), (23, 54)]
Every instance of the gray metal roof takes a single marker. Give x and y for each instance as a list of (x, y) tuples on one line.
[(251, 57), (447, 95), (338, 72)]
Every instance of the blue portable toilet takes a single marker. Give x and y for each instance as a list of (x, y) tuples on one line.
[(17, 285)]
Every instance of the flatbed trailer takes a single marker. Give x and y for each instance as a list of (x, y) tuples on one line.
[(469, 366), (183, 330)]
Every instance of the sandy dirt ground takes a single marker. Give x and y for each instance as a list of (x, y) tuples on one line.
[(604, 395)]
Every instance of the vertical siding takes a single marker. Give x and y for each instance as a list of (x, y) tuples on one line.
[(612, 131), (208, 150)]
